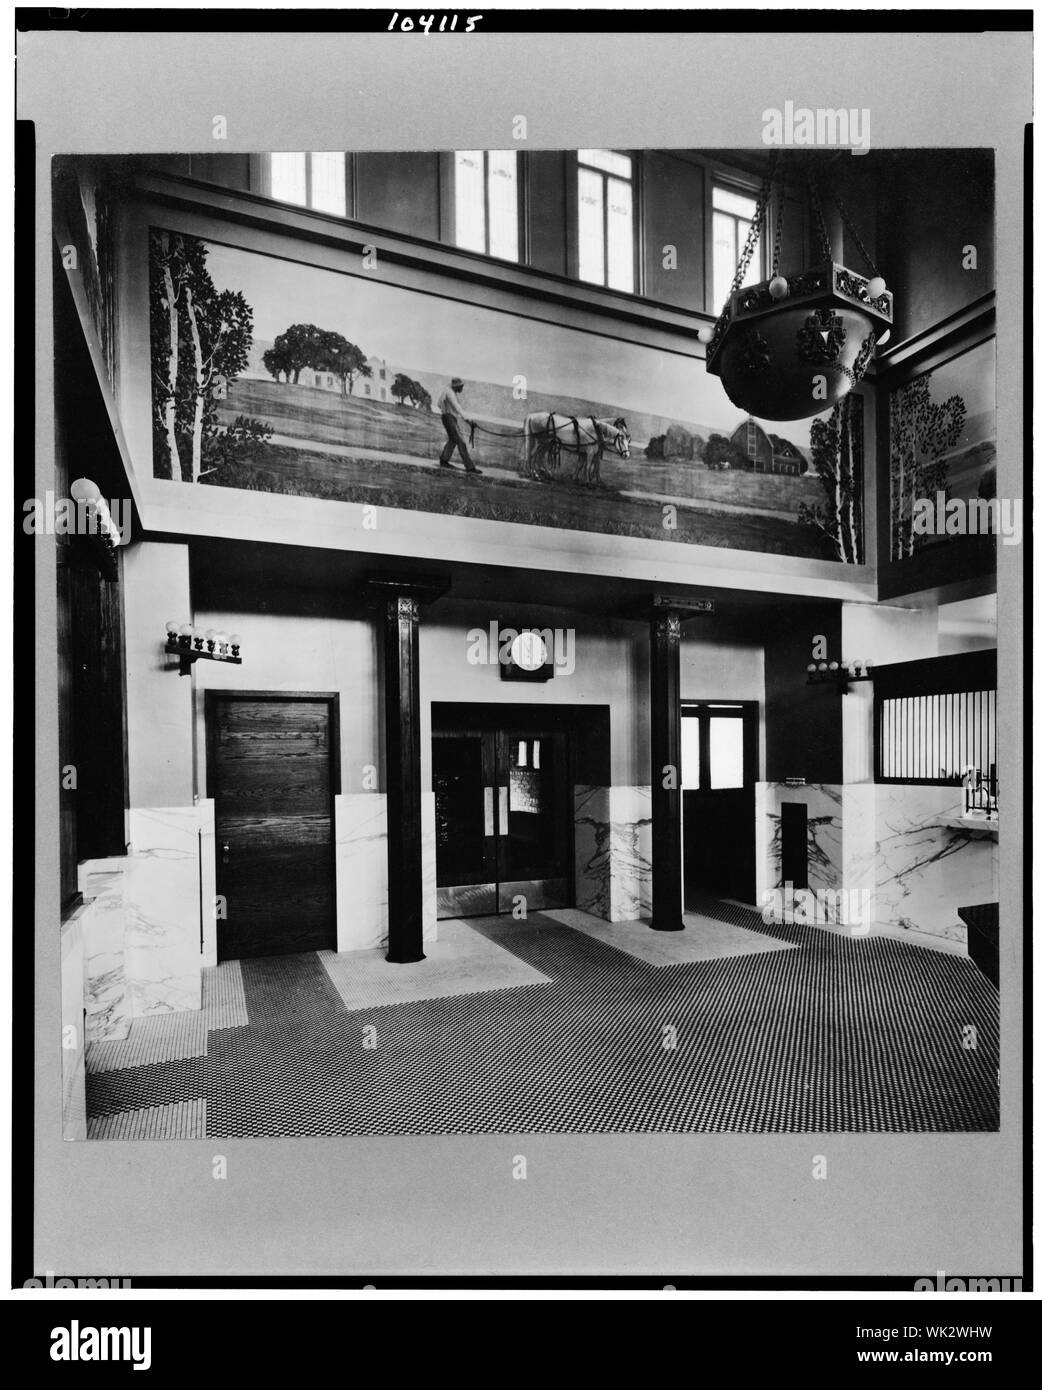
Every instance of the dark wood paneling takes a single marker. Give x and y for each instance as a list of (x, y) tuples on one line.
[(803, 723), (673, 216), (937, 202), (547, 230), (271, 763), (399, 192)]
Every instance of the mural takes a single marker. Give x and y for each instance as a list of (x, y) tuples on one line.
[(281, 377), (942, 445)]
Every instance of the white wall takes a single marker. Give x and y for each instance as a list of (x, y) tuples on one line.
[(159, 700), (297, 653)]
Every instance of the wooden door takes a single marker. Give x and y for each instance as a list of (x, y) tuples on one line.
[(271, 773), (719, 765)]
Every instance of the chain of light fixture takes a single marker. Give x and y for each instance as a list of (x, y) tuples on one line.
[(756, 225)]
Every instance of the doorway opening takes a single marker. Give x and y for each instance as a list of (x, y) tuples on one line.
[(719, 751), (273, 768), (504, 778)]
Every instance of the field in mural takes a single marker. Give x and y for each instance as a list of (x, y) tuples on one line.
[(279, 377)]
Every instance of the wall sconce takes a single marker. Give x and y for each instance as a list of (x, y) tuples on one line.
[(839, 674), (87, 494), (95, 527), (185, 643)]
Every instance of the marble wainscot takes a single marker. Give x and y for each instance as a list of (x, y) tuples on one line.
[(361, 870), (593, 850), (859, 842), (162, 935), (926, 867), (74, 1051), (824, 803), (613, 852), (208, 879), (102, 884)]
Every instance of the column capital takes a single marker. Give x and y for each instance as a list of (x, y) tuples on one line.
[(674, 608), (418, 588)]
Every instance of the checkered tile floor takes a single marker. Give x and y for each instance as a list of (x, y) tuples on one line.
[(835, 1035)]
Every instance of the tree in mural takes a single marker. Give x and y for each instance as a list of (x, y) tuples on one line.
[(719, 452), (921, 432), (278, 362), (837, 454), (165, 289), (333, 353), (200, 339), (403, 389), (298, 347)]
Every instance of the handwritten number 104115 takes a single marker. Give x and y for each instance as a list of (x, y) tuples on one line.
[(429, 23)]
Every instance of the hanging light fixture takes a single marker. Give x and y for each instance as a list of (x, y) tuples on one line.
[(795, 344)]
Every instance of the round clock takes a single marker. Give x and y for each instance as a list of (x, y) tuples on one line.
[(528, 651)]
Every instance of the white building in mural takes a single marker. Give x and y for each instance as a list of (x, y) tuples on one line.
[(375, 387)]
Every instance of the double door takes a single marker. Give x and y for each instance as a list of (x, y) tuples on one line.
[(502, 799)]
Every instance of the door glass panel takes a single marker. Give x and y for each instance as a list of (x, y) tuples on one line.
[(689, 753), (726, 765), (529, 833), (460, 810)]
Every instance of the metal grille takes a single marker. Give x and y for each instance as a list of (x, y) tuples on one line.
[(935, 738)]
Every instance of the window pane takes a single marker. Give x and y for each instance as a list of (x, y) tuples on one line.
[(724, 200), (470, 200), (689, 769), (328, 183), (726, 765), (289, 178), (591, 226), (620, 235), (725, 257), (502, 204), (609, 160)]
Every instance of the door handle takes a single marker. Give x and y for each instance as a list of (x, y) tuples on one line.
[(490, 826), (225, 852), (504, 810)]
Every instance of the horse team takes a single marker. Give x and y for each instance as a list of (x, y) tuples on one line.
[(547, 434)]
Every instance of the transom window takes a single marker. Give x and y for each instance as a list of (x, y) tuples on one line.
[(606, 235), (487, 202), (733, 213), (713, 747), (312, 180)]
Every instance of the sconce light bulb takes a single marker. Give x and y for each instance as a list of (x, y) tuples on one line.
[(210, 635), (185, 629), (876, 286), (823, 666), (171, 627), (778, 287), (234, 639), (812, 666), (833, 665), (705, 335), (83, 490)]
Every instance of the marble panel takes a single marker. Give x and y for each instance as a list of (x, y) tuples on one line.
[(162, 927)]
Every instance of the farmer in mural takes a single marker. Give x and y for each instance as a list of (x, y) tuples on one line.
[(452, 417)]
